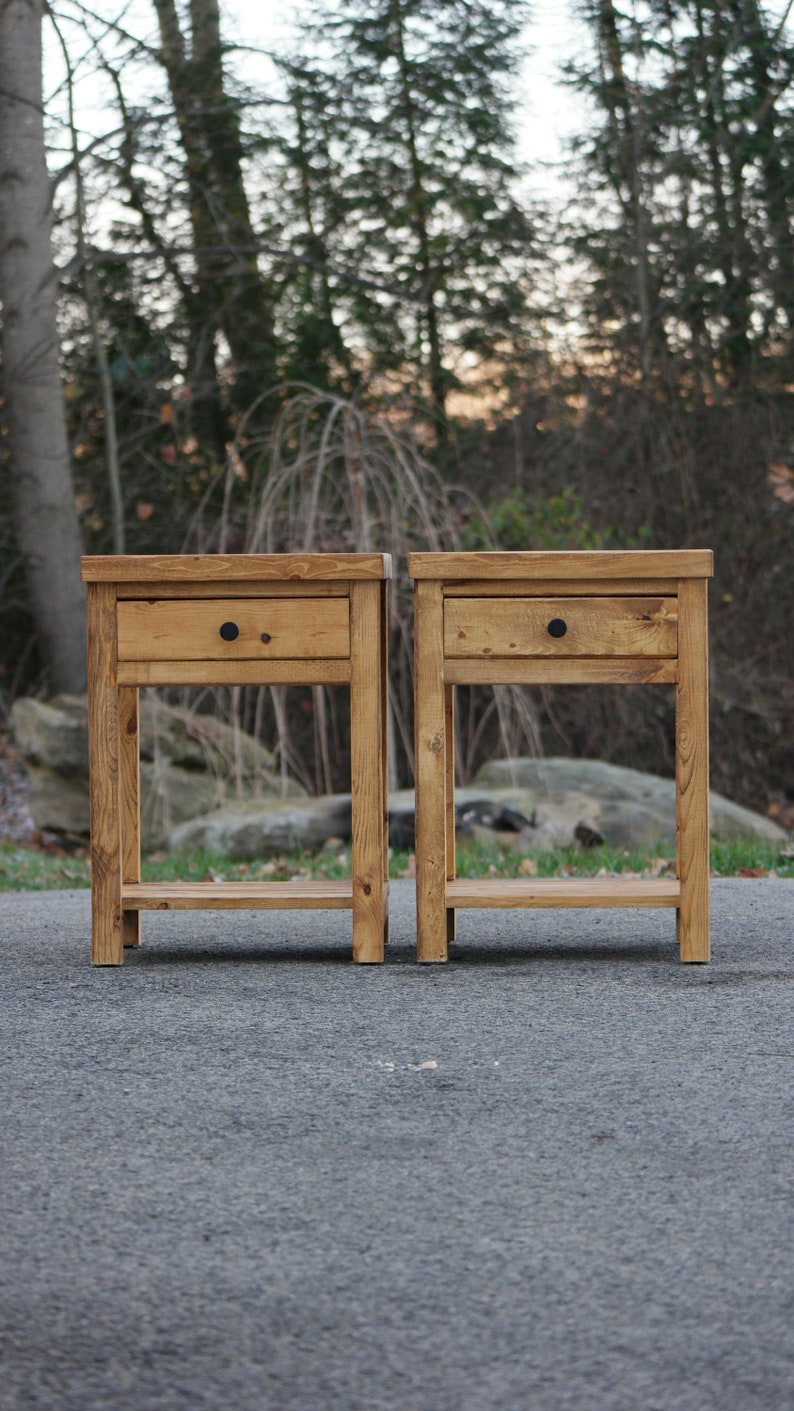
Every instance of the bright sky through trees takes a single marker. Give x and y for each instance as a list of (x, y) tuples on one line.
[(548, 109)]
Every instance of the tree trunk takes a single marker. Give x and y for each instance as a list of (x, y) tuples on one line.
[(725, 158), (232, 295), (435, 366), (626, 119), (777, 186), (38, 459)]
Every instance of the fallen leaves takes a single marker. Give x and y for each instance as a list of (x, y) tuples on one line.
[(780, 480)]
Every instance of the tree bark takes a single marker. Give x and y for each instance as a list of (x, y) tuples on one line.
[(232, 294), (436, 377), (37, 459)]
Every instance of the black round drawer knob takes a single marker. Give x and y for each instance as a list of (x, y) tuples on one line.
[(229, 631), (557, 628)]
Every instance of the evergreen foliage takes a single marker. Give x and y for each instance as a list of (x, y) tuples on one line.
[(403, 138)]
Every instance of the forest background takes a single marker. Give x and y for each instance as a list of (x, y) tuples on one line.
[(316, 302)]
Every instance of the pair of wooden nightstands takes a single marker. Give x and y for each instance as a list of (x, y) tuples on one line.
[(525, 618)]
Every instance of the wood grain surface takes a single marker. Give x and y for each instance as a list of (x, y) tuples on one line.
[(594, 626), (130, 804), (562, 671), (107, 947), (592, 564), (234, 673), (692, 774), (229, 588), (143, 568), (563, 891), (235, 896), (368, 786), (189, 630), (430, 716), (556, 587)]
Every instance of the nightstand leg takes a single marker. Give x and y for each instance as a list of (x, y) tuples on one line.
[(449, 740), (384, 749), (367, 786), (692, 771), (130, 804), (430, 773), (107, 947)]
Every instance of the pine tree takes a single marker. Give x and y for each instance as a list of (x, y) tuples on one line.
[(418, 108), (688, 172)]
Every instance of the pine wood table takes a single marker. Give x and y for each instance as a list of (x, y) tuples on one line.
[(534, 618), (232, 619)]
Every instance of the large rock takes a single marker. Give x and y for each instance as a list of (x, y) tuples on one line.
[(267, 828), (52, 735), (190, 764), (519, 820), (169, 795), (203, 742), (55, 733), (552, 803), (57, 802), (635, 810)]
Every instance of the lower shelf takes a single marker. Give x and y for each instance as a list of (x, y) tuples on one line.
[(562, 891), (237, 896)]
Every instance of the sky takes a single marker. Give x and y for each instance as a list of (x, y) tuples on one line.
[(548, 113)]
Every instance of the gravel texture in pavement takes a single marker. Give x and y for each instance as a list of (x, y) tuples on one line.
[(241, 1173)]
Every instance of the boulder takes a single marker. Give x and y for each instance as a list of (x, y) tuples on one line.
[(553, 803), (203, 742), (190, 764), (169, 795), (57, 802), (51, 735), (266, 828), (517, 817), (634, 810)]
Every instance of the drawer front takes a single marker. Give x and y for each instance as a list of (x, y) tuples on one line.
[(234, 629), (564, 627)]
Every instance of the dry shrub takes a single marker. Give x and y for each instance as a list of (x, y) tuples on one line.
[(335, 477)]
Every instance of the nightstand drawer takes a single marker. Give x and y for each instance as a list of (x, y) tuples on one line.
[(234, 629), (564, 627)]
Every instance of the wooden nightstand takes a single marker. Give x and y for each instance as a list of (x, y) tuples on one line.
[(221, 619), (530, 618)]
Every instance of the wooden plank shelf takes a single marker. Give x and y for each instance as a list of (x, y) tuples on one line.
[(238, 896), (562, 891), (529, 671), (221, 568), (234, 673), (590, 564)]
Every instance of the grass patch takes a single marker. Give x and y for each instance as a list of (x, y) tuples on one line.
[(34, 870), (735, 859)]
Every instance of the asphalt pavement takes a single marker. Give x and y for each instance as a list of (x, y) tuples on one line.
[(241, 1172)]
